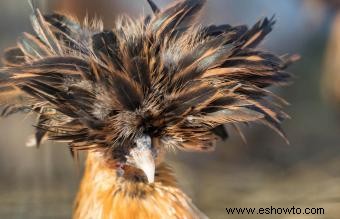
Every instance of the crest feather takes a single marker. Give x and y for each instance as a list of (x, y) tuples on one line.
[(163, 75)]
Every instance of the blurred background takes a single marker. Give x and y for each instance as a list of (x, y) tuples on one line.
[(41, 183)]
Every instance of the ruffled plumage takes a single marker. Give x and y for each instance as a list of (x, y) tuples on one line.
[(164, 75), (168, 73)]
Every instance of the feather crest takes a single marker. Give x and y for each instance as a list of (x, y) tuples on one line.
[(163, 75)]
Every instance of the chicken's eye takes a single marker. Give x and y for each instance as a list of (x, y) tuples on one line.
[(150, 129)]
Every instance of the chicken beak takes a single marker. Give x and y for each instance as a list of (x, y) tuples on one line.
[(142, 157)]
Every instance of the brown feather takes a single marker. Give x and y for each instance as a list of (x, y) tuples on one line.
[(162, 76)]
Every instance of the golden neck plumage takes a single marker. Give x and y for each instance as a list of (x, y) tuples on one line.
[(104, 195)]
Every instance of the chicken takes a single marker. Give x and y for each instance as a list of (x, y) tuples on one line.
[(130, 94)]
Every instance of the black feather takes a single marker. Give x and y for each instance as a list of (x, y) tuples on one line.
[(153, 6), (40, 133), (221, 132), (258, 32), (13, 57), (105, 44), (127, 92), (179, 16)]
